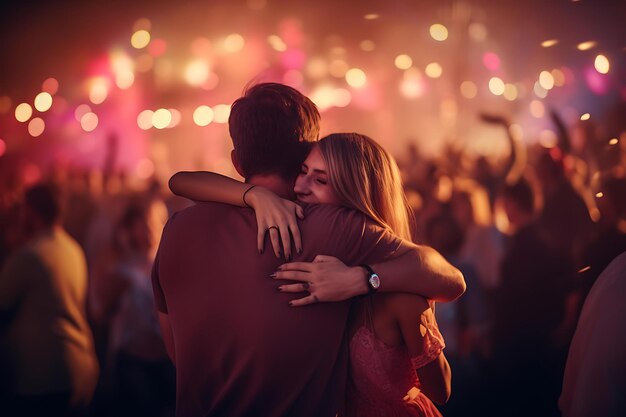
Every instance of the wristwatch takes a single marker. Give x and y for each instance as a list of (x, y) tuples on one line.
[(372, 279)]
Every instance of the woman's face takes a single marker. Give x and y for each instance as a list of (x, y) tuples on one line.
[(312, 184)]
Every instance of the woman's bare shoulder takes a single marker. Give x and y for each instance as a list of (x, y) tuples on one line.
[(403, 305)]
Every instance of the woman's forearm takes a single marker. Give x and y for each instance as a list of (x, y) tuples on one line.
[(208, 186)]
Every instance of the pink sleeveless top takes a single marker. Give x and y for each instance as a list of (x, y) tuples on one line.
[(382, 379)]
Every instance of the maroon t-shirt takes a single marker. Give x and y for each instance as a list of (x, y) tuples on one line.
[(240, 349)]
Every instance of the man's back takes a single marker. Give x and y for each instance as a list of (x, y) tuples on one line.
[(239, 348), (51, 343)]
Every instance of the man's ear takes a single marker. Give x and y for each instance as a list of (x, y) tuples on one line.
[(236, 164)]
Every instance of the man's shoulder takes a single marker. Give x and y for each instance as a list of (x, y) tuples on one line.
[(325, 212), (205, 210)]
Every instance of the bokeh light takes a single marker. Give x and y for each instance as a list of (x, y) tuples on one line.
[(550, 42), (50, 85), (613, 141), (176, 118), (548, 139), (338, 68), (601, 64), (537, 109), (99, 90), (491, 61), (80, 111), (468, 89), (203, 115), (546, 80), (36, 127), (585, 46), (23, 112), (403, 62), (145, 168), (496, 86), (89, 122), (197, 72), (140, 39), (433, 70), (585, 116), (559, 77), (355, 77), (221, 113), (161, 118), (439, 32), (144, 119), (43, 101), (234, 43), (412, 84), (277, 43), (477, 32), (367, 45), (539, 90), (510, 92), (371, 16), (3, 147)]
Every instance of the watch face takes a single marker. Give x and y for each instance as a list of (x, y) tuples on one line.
[(374, 281)]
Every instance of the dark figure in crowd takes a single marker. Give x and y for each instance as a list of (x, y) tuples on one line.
[(48, 351), (528, 313), (238, 347)]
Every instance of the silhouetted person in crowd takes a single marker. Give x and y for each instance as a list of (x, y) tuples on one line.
[(48, 354), (529, 309)]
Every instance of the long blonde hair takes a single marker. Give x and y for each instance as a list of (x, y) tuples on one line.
[(366, 177)]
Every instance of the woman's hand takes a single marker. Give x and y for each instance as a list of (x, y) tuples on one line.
[(326, 279), (278, 217)]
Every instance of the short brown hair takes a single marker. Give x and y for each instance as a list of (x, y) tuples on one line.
[(271, 125)]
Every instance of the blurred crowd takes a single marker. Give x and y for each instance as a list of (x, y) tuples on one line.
[(531, 233)]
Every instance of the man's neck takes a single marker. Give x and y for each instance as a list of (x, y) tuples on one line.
[(274, 183)]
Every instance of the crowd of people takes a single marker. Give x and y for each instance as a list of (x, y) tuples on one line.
[(82, 332)]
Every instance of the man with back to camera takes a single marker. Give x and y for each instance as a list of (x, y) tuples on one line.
[(239, 349), (50, 357)]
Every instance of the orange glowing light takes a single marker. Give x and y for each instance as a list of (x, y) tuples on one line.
[(613, 141), (3, 147), (23, 112), (144, 119), (203, 115), (80, 111), (510, 92), (537, 109), (176, 118), (124, 79), (433, 70), (89, 122), (496, 86), (371, 16), (412, 84), (539, 90), (601, 64), (548, 139), (140, 39), (36, 127), (585, 46), (550, 42), (50, 85), (599, 194), (468, 89), (221, 113), (323, 97), (197, 72), (403, 62), (161, 118), (99, 90), (439, 32), (585, 116), (355, 77), (342, 97), (43, 101), (234, 43), (277, 43), (546, 80)]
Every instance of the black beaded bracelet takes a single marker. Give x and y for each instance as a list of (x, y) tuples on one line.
[(244, 196)]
